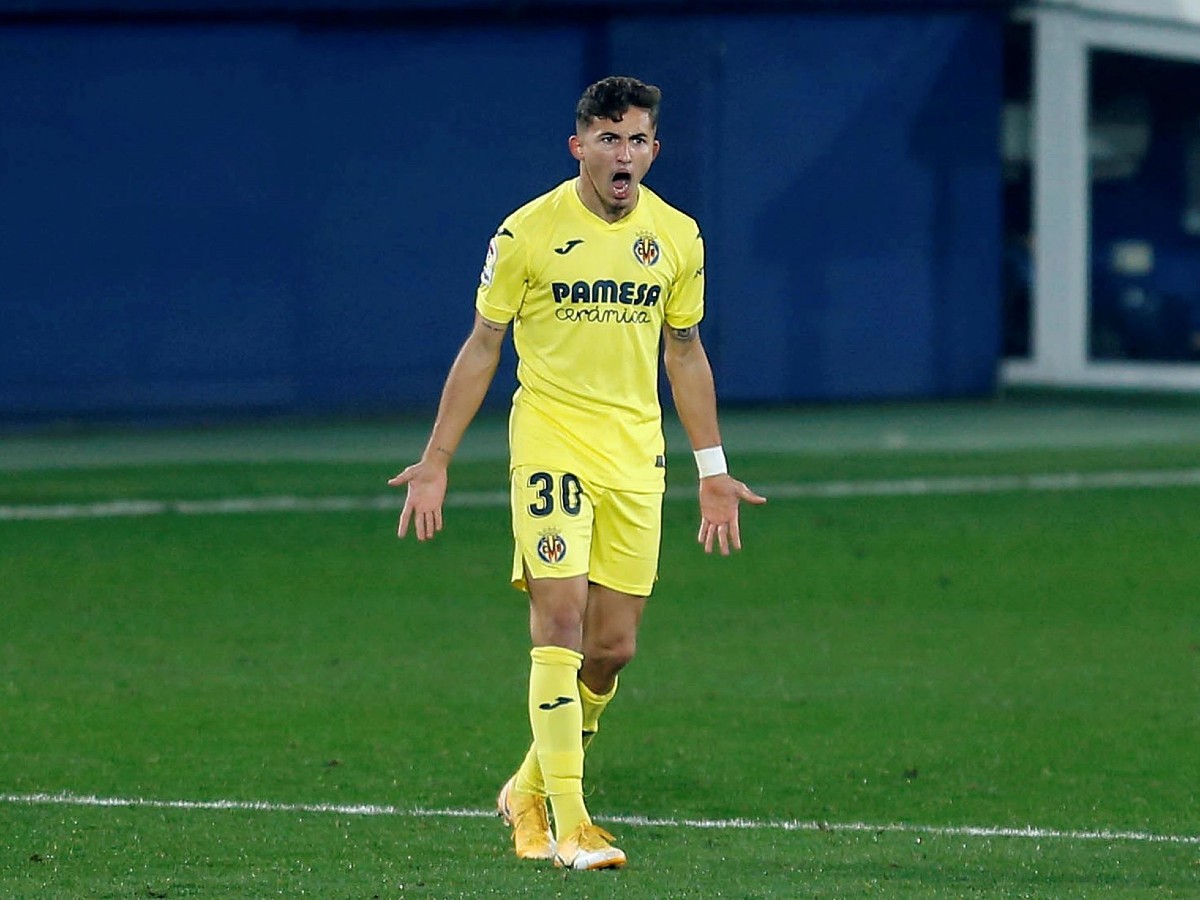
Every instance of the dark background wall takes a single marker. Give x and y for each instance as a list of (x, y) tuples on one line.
[(286, 209)]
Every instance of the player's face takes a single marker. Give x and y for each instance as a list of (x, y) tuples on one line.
[(614, 157)]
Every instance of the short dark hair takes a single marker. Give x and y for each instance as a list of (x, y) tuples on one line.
[(610, 98)]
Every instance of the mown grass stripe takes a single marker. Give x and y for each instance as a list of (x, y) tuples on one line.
[(907, 487), (367, 809)]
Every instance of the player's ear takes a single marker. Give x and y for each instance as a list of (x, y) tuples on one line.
[(575, 147), (654, 151)]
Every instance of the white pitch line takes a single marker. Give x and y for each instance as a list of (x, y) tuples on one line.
[(68, 799), (910, 828), (908, 487), (992, 484), (233, 506)]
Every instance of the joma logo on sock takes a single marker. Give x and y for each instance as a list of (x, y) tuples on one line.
[(556, 703)]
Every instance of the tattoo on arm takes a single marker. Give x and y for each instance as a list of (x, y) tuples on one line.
[(685, 334), (491, 326)]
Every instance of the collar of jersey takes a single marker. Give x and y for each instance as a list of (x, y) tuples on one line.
[(623, 222)]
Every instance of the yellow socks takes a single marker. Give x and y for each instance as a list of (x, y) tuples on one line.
[(556, 717), (593, 706), (529, 776)]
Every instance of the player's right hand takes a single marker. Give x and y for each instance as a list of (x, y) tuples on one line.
[(423, 504)]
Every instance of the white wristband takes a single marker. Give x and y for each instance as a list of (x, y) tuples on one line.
[(710, 461)]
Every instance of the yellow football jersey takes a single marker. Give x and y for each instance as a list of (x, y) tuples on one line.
[(588, 300)]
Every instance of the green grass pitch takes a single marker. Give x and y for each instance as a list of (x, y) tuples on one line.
[(927, 695)]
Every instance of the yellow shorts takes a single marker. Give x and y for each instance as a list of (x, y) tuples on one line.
[(564, 526)]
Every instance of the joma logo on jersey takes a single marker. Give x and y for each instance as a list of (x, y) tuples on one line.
[(631, 293)]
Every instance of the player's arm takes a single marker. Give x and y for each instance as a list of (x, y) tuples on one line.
[(695, 395), (466, 385)]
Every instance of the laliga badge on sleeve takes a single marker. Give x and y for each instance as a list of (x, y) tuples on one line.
[(489, 264)]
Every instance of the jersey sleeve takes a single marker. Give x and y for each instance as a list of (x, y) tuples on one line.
[(503, 281), (685, 305)]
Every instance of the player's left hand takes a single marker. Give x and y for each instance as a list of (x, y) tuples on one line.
[(719, 499)]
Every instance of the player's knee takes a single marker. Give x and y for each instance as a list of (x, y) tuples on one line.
[(608, 657), (556, 627)]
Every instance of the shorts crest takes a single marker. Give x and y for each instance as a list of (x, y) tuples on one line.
[(551, 547)]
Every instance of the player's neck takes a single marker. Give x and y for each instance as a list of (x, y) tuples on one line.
[(595, 205)]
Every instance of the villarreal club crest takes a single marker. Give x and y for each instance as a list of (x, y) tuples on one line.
[(551, 548), (645, 248)]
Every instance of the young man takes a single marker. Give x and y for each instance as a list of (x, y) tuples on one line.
[(594, 275)]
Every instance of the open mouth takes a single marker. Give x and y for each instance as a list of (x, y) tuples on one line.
[(622, 183)]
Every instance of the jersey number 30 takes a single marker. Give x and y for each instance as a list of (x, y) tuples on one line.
[(570, 494)]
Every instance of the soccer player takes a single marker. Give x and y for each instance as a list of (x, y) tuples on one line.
[(594, 276)]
